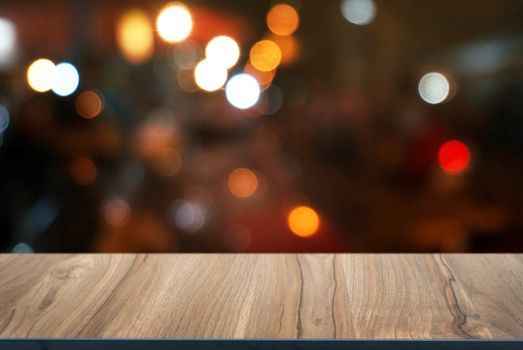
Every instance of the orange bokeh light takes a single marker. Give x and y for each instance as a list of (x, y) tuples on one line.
[(454, 157), (83, 171), (263, 78), (243, 182), (265, 55), (289, 47), (282, 19), (303, 221), (116, 212), (89, 104)]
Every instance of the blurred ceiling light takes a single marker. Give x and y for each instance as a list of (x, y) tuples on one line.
[(66, 79), (116, 212), (174, 23), (4, 119), (242, 91), (83, 171), (454, 157), (41, 75), (242, 182), (223, 50), (303, 221), (282, 19), (89, 104), (134, 35), (359, 12), (265, 55), (434, 88), (289, 47), (264, 78), (209, 75), (7, 41)]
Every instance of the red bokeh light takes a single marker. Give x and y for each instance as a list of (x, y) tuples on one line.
[(454, 156)]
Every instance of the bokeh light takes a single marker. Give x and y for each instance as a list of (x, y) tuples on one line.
[(7, 41), (166, 161), (264, 79), (66, 79), (271, 101), (265, 55), (223, 50), (303, 221), (359, 12), (209, 75), (186, 55), (174, 23), (454, 156), (186, 215), (282, 19), (434, 88), (89, 104), (41, 75), (116, 212), (4, 118), (242, 91), (134, 36), (243, 182), (83, 171), (289, 47)]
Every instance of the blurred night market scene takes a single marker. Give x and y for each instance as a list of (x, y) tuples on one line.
[(261, 126)]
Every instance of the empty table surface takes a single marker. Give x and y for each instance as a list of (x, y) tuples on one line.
[(261, 296)]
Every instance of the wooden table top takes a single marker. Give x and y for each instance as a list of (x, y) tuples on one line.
[(260, 296)]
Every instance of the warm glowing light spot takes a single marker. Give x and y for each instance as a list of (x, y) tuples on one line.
[(434, 88), (223, 50), (289, 47), (209, 75), (41, 75), (243, 182), (166, 161), (265, 55), (303, 221), (282, 19), (174, 23), (359, 12), (134, 35), (89, 104), (7, 41), (116, 212), (83, 171), (264, 79), (454, 156), (242, 91), (66, 79)]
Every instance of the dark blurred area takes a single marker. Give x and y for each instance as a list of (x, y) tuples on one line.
[(338, 126)]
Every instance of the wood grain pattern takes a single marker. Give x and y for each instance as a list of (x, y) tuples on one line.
[(280, 296)]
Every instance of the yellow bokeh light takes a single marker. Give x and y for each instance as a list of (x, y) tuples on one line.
[(265, 55), (289, 47), (223, 50), (134, 35), (41, 75), (282, 19), (243, 182), (210, 76), (263, 78), (174, 23), (89, 104), (303, 221)]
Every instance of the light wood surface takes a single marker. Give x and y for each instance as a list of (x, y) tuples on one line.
[(278, 296)]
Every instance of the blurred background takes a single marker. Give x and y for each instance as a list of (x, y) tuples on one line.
[(261, 126)]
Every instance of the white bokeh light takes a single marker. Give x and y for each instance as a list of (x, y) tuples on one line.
[(223, 50), (434, 88), (174, 23), (359, 12), (186, 215), (66, 79), (41, 75), (209, 75), (7, 41), (242, 91)]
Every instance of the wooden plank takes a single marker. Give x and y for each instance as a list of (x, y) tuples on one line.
[(261, 296)]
